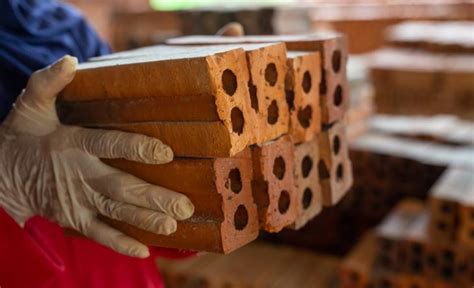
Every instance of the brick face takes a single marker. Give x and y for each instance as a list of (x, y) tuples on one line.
[(225, 215), (273, 184), (334, 94)]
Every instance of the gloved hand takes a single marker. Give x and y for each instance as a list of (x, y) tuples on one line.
[(54, 170)]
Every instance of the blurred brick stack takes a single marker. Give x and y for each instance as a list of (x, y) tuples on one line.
[(407, 254), (364, 22), (399, 157), (244, 121), (428, 69)]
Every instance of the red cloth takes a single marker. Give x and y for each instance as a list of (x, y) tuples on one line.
[(41, 256)]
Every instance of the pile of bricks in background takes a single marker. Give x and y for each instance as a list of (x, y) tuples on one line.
[(256, 265), (429, 70), (451, 207), (399, 157), (244, 122), (364, 22), (407, 254), (135, 25)]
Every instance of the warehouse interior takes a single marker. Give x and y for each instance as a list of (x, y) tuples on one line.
[(322, 143)]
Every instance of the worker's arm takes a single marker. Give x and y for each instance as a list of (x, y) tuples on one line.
[(54, 170)]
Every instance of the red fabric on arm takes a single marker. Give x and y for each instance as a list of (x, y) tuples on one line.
[(40, 255), (24, 261)]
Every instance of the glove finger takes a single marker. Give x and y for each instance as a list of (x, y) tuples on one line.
[(116, 144), (116, 240), (129, 189), (34, 112), (45, 84), (142, 218)]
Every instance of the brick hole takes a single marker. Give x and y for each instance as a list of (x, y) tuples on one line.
[(235, 180), (416, 266), (241, 218), (339, 172), (229, 82), (447, 272), (304, 116), (271, 74), (306, 166), (279, 167), (336, 61), (432, 261), (253, 96), (272, 113), (446, 208), (322, 85), (448, 256), (284, 202), (441, 225), (290, 99), (338, 95), (323, 170), (307, 198), (238, 121), (417, 249), (472, 215), (471, 234), (336, 145), (385, 261), (415, 286), (306, 82)]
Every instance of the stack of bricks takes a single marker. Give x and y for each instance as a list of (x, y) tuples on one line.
[(406, 255), (451, 205), (400, 157), (427, 69), (244, 123), (334, 166)]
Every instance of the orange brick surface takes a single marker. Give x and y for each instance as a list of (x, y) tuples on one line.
[(225, 215)]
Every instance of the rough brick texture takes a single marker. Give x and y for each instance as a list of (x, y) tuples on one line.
[(334, 94), (302, 95), (422, 83), (307, 185), (194, 89), (267, 69), (335, 167), (273, 184), (225, 215), (452, 207), (417, 252)]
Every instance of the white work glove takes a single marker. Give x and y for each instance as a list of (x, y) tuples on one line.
[(54, 170)]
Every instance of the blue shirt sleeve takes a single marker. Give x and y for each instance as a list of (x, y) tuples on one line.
[(36, 33)]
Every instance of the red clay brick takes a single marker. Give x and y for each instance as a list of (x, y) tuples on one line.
[(225, 215), (302, 95), (452, 207), (334, 94), (204, 90), (307, 186), (267, 69), (335, 167), (273, 184)]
